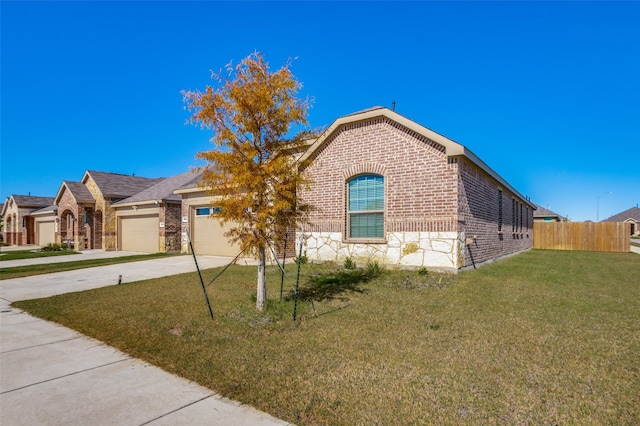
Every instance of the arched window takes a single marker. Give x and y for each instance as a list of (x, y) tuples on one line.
[(365, 207)]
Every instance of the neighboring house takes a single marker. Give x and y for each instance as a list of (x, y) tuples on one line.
[(45, 225), (150, 221), (19, 223), (545, 215), (86, 217), (206, 233), (1, 223), (631, 216), (386, 188)]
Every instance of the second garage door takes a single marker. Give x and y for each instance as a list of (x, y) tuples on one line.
[(208, 235), (140, 233)]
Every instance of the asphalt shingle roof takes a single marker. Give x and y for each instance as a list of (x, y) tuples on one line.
[(79, 191), (115, 185), (163, 190), (32, 201), (632, 213), (52, 208), (542, 212)]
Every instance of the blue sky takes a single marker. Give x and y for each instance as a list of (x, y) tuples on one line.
[(546, 93)]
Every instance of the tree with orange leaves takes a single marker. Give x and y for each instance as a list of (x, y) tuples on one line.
[(251, 172)]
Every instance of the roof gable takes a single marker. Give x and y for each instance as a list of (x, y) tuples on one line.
[(451, 147), (78, 191)]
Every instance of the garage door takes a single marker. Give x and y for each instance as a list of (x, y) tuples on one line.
[(208, 235), (140, 233), (46, 233)]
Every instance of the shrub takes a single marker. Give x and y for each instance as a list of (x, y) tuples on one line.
[(55, 247), (349, 263), (374, 269), (301, 260)]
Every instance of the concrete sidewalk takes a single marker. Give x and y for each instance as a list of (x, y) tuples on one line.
[(52, 375)]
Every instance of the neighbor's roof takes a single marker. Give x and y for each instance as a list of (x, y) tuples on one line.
[(162, 191), (32, 201), (542, 212), (79, 191), (115, 185), (632, 213), (192, 187), (25, 201), (45, 210), (452, 148)]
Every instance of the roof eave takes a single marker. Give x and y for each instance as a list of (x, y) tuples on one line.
[(44, 213), (145, 203), (190, 190), (466, 153)]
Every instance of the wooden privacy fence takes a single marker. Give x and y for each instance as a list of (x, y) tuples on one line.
[(589, 236)]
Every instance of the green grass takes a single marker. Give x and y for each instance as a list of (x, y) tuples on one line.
[(545, 337), (32, 254), (47, 268)]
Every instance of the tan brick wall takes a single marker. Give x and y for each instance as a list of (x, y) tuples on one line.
[(108, 237), (185, 212), (18, 225)]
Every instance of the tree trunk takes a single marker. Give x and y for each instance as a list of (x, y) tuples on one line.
[(261, 297)]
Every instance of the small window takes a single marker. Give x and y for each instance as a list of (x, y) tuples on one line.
[(500, 210), (521, 211), (203, 211), (365, 205)]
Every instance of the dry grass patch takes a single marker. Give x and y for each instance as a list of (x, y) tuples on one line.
[(541, 338)]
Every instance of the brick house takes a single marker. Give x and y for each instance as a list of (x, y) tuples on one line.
[(150, 221), (206, 233), (20, 225), (45, 225), (630, 216), (86, 217), (545, 215), (386, 188)]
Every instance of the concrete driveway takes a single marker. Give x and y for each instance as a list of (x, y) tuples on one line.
[(52, 375)]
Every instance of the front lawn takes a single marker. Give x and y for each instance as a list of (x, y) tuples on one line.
[(32, 254), (545, 337)]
